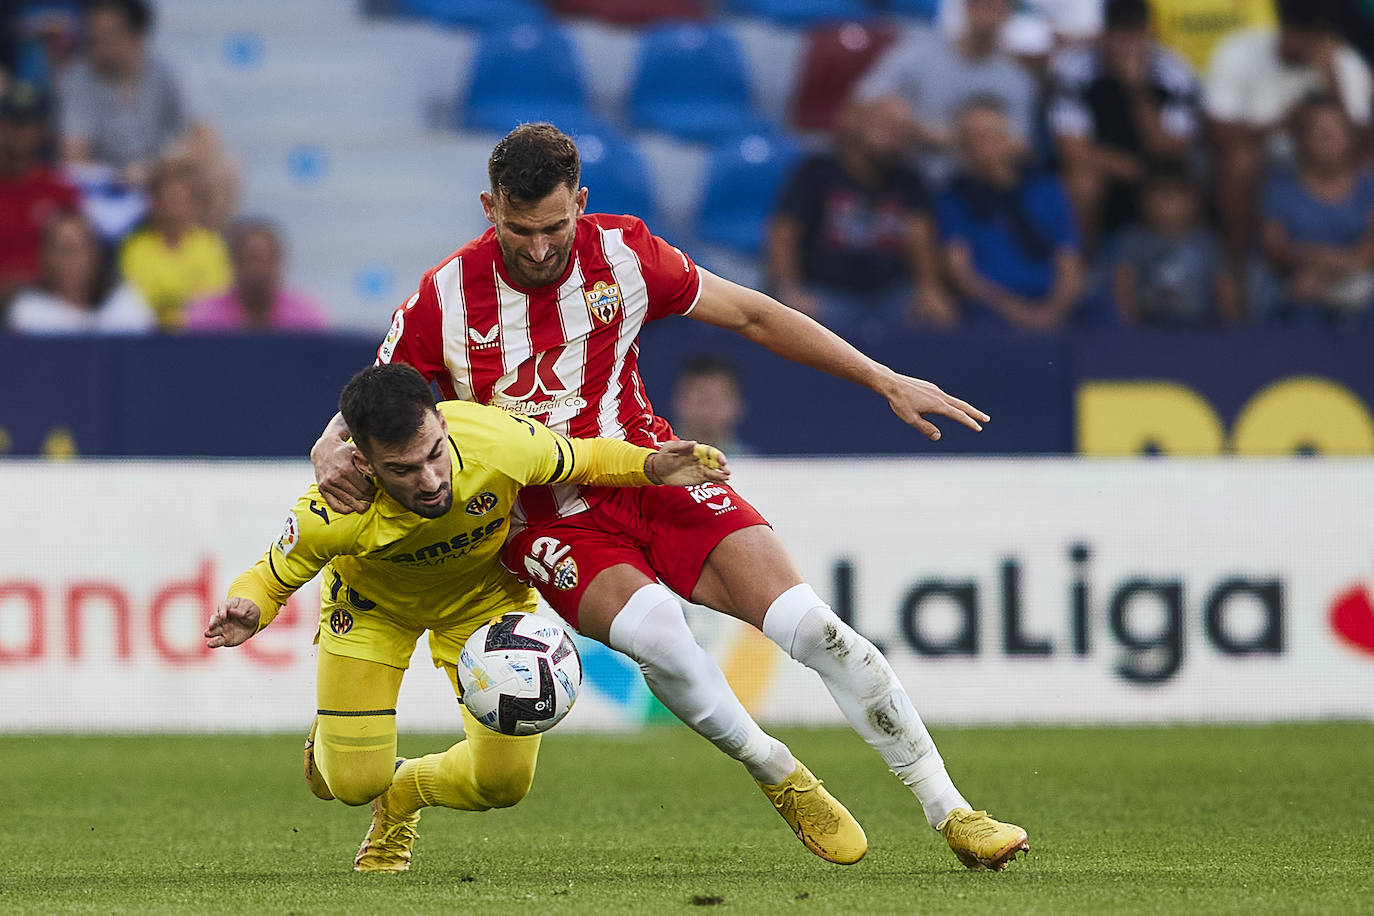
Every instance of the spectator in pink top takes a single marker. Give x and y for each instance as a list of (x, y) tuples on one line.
[(257, 301)]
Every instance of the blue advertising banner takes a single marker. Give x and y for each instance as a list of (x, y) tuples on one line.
[(1107, 392)]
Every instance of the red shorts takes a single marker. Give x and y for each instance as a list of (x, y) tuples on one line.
[(664, 532)]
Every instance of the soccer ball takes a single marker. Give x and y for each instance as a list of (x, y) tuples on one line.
[(519, 674)]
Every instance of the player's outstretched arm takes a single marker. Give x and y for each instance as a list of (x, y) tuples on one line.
[(233, 621), (794, 336), (341, 484), (684, 463)]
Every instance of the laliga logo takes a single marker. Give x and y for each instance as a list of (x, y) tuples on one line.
[(1352, 617)]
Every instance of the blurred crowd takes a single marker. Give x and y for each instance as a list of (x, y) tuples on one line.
[(117, 202), (1035, 164), (1162, 163)]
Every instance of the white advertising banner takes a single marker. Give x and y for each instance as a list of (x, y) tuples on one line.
[(1007, 590)]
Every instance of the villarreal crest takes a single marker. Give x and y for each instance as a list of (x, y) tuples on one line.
[(603, 300)]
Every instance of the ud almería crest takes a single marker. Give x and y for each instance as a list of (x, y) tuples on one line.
[(603, 300)]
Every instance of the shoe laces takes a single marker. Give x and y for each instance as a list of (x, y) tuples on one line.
[(975, 825), (805, 803), (396, 835)]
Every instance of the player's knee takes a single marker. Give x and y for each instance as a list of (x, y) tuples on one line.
[(359, 785), (502, 790), (652, 630)]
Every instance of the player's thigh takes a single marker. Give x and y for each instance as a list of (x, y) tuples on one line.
[(745, 573), (711, 545), (586, 574)]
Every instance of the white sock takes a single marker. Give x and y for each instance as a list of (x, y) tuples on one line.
[(867, 692), (651, 630)]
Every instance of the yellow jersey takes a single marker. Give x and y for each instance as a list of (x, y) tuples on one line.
[(171, 277), (439, 572), (1193, 27)]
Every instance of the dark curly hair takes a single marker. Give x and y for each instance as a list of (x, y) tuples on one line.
[(531, 161), (386, 404)]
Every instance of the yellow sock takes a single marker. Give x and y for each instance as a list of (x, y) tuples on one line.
[(355, 742), (485, 770)]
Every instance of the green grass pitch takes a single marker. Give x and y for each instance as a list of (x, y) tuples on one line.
[(1276, 819)]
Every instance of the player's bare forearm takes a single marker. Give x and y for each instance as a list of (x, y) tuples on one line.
[(785, 331), (796, 337)]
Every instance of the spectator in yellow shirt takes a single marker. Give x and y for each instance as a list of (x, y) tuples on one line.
[(174, 260), (1193, 27)]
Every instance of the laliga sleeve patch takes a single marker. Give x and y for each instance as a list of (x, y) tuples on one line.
[(290, 535), (393, 336)]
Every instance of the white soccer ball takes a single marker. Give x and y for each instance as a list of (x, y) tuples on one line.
[(520, 674)]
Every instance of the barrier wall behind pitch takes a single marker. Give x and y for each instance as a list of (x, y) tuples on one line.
[(1002, 590)]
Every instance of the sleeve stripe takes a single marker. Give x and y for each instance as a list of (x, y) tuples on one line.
[(273, 567), (572, 457), (558, 449)]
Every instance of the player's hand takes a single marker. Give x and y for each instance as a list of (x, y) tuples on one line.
[(913, 398), (684, 463), (342, 485), (232, 623)]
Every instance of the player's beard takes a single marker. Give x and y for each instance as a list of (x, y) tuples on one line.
[(432, 510), (526, 273)]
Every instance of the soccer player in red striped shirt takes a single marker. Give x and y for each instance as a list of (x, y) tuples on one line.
[(541, 315)]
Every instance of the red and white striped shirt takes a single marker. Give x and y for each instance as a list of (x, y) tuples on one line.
[(566, 353)]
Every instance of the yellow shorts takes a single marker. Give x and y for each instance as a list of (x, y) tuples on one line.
[(354, 627)]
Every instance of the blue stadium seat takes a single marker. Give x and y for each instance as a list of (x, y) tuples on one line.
[(743, 178), (802, 12), (690, 82), (529, 72), (472, 14), (921, 9), (614, 171)]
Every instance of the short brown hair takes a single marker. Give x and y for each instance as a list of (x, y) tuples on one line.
[(531, 161)]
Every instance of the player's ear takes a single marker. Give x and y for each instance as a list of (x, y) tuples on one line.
[(443, 421), (362, 464), (489, 206), (581, 200)]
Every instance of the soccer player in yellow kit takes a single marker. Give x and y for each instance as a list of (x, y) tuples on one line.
[(424, 557)]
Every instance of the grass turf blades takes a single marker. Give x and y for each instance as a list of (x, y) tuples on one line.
[(1265, 819)]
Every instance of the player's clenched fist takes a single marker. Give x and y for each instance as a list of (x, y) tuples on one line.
[(684, 463), (232, 623)]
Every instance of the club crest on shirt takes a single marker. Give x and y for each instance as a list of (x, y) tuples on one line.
[(290, 534), (603, 300), (485, 341), (388, 349), (565, 574), (481, 504), (340, 622)]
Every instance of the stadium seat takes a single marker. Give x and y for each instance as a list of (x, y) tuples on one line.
[(472, 14), (530, 72), (743, 178), (614, 171), (690, 83), (801, 12), (921, 9), (836, 57), (630, 12)]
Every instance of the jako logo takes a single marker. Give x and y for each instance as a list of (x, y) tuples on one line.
[(1352, 617)]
